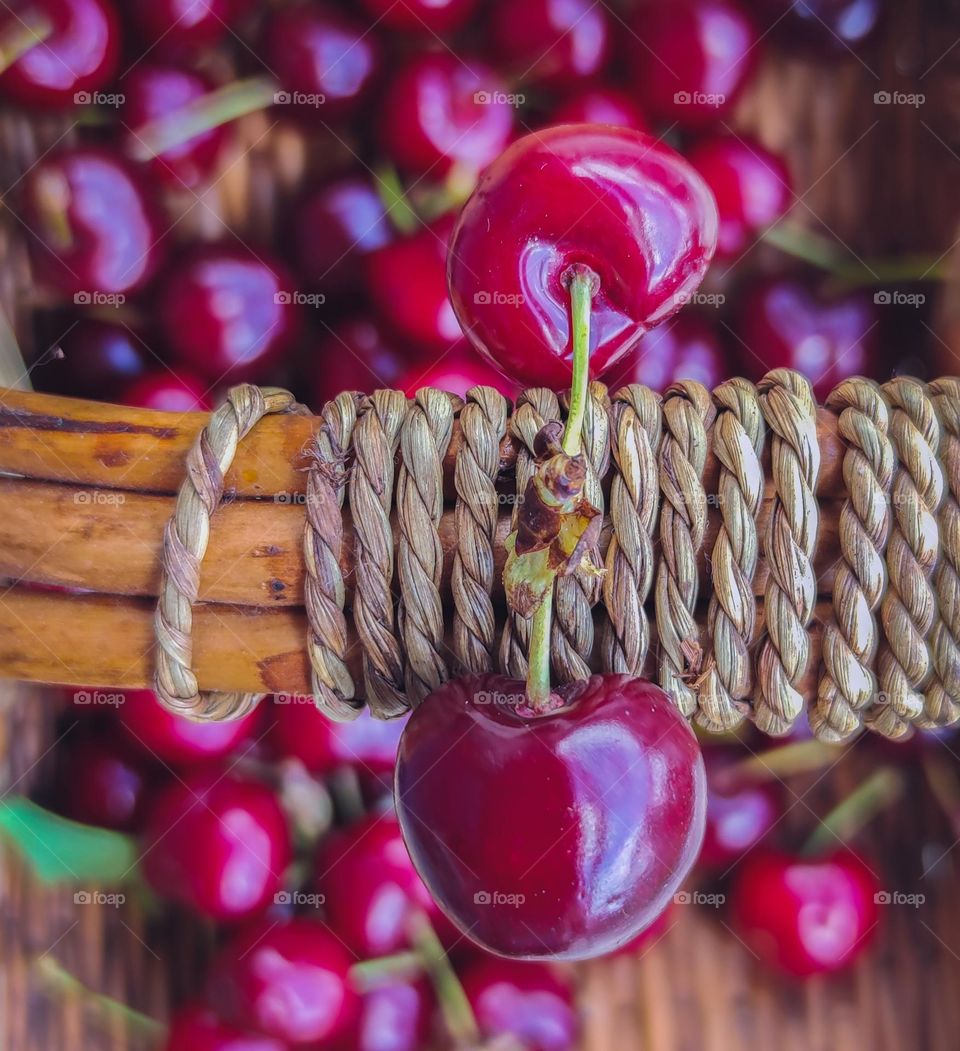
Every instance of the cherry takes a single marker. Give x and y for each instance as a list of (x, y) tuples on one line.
[(830, 26), (739, 814), (197, 1028), (802, 916), (172, 26), (425, 18), (685, 347), (455, 370), (370, 887), (334, 228), (600, 105), (95, 231), (691, 58), (171, 738), (751, 186), (76, 58), (550, 41), (559, 834), (216, 843), (418, 311), (782, 324), (612, 199), (650, 935), (98, 784), (167, 391), (525, 1001), (394, 1016), (228, 312), (326, 62), (287, 980), (355, 355), (99, 359), (156, 91)]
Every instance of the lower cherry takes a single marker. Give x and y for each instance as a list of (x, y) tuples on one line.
[(356, 354), (827, 26), (686, 347), (739, 813), (98, 783), (424, 18), (99, 359), (561, 834), (455, 370), (197, 1028), (167, 391), (600, 105), (394, 1016), (175, 26)]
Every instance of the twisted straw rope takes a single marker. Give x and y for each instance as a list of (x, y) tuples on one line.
[(634, 502), (331, 682), (909, 606), (687, 413), (185, 540), (790, 411), (738, 435), (848, 684), (483, 423)]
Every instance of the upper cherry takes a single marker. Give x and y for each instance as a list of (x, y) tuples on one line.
[(394, 1016), (424, 18), (739, 813), (687, 347), (612, 199), (357, 354), (600, 104), (174, 26), (197, 1028), (830, 26), (99, 359), (455, 370)]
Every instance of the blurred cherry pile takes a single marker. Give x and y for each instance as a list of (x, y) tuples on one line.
[(399, 104)]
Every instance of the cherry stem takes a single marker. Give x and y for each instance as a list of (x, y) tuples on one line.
[(401, 212), (204, 113), (538, 671), (798, 757), (401, 965), (23, 35), (850, 815), (454, 1006)]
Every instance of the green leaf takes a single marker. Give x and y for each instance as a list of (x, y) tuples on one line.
[(63, 851)]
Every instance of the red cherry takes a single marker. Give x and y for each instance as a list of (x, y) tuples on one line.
[(739, 814), (197, 1028), (355, 355), (419, 311), (287, 980), (783, 325), (98, 784), (455, 370), (609, 198), (440, 110), (684, 348), (648, 937), (228, 312), (829, 26), (173, 26), (370, 887), (550, 41), (751, 186), (561, 834), (95, 232), (600, 105), (394, 1016), (78, 58), (167, 391), (326, 62), (424, 18), (218, 844), (525, 1001), (805, 917), (99, 359), (171, 738), (691, 58)]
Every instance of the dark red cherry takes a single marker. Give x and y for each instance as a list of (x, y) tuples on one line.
[(783, 324), (803, 916), (170, 738), (216, 843), (175, 26), (99, 359), (751, 186), (612, 199), (228, 312), (455, 370), (76, 59), (599, 104), (550, 41), (424, 18), (394, 1016), (334, 228), (358, 355), (95, 232), (828, 26), (441, 111), (650, 936), (686, 347), (155, 92), (168, 391), (197, 1028), (326, 62), (418, 310), (371, 888), (97, 783), (690, 59), (525, 1001), (561, 834), (739, 813), (288, 980)]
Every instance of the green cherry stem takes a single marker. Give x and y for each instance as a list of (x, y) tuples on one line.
[(851, 814), (398, 967), (457, 1013)]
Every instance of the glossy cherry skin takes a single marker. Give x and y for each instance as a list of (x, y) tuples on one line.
[(424, 18), (686, 347), (550, 41), (197, 1028), (155, 91), (557, 835), (319, 53), (751, 186), (650, 936), (176, 26), (95, 230), (98, 783), (287, 980), (739, 814), (441, 110), (828, 26), (805, 917), (99, 359), (526, 1001), (599, 104), (227, 312), (78, 58), (783, 324), (691, 59), (394, 1016), (455, 370), (218, 844), (609, 198), (167, 391), (371, 888), (357, 354), (170, 738), (418, 311)]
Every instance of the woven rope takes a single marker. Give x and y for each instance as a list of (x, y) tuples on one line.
[(185, 540), (791, 537)]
